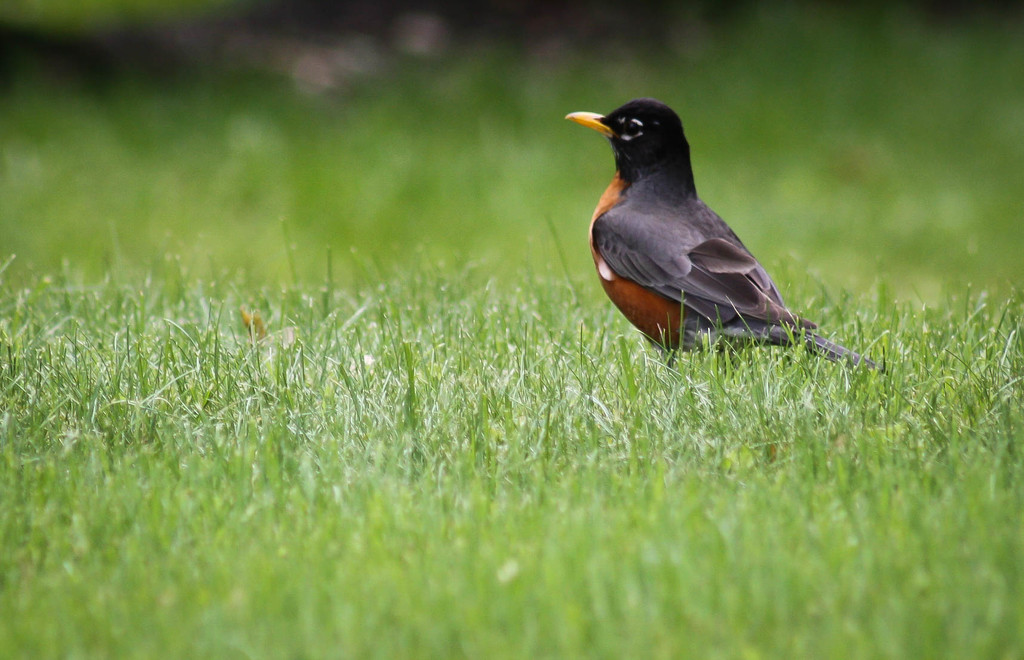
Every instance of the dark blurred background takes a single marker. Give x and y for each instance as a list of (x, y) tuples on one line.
[(106, 33)]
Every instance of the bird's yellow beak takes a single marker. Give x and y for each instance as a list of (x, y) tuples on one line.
[(592, 120)]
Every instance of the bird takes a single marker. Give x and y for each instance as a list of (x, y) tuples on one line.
[(670, 264)]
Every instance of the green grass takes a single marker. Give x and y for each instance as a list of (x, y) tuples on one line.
[(450, 444), (461, 468)]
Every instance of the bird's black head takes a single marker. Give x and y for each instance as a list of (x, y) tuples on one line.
[(646, 136)]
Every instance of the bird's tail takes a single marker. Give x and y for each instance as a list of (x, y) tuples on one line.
[(777, 334), (780, 335), (833, 351)]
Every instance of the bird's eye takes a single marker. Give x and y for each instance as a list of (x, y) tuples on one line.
[(632, 128)]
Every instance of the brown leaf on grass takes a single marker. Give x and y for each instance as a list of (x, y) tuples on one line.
[(254, 325)]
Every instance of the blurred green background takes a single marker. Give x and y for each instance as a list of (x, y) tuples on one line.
[(859, 146), (57, 16)]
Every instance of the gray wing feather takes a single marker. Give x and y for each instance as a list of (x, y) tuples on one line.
[(701, 262)]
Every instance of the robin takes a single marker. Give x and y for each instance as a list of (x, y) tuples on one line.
[(667, 261)]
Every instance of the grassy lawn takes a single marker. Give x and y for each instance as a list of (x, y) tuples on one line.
[(449, 444)]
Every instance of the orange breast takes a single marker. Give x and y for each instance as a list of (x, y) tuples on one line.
[(654, 315)]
